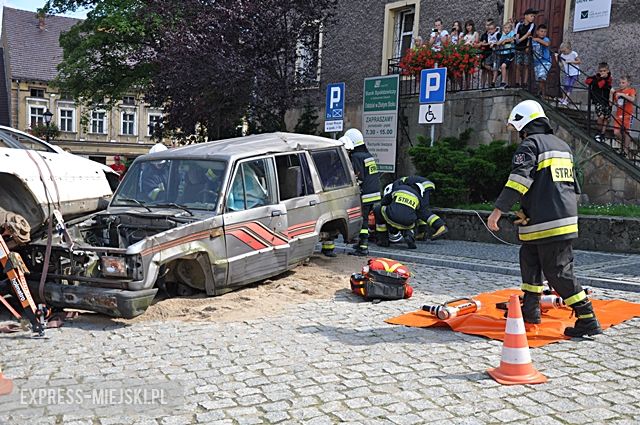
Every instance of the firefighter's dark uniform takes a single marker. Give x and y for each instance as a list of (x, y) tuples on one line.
[(542, 179), (434, 221), (403, 207), (366, 170)]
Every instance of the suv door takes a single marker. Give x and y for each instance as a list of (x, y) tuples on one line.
[(255, 224), (295, 187)]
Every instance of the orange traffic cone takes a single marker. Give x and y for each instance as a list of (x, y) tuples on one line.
[(515, 365), (6, 385)]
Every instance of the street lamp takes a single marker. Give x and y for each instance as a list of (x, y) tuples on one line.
[(47, 120)]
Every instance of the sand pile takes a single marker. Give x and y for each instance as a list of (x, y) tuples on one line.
[(321, 278)]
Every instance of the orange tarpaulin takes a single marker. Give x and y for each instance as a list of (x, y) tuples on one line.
[(490, 322)]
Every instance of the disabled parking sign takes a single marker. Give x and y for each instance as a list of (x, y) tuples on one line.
[(433, 85)]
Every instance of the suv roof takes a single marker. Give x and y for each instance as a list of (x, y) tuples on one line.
[(239, 147)]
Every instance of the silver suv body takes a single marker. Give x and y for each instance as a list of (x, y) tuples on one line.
[(208, 217)]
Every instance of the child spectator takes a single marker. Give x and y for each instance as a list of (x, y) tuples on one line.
[(505, 51), (455, 34), (488, 42), (439, 36), (541, 57), (624, 98), (524, 31), (600, 87), (571, 68)]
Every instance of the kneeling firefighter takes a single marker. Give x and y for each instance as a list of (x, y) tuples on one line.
[(542, 179), (406, 202)]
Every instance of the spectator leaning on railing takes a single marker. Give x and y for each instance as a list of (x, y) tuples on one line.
[(541, 57), (525, 30), (600, 88), (505, 52)]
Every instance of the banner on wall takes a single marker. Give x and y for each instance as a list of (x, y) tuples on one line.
[(591, 14)]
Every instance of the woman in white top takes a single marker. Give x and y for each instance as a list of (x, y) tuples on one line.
[(471, 36), (455, 34)]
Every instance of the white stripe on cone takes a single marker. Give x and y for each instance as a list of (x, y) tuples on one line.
[(516, 355), (515, 327)]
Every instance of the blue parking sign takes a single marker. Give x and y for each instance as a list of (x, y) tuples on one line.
[(433, 85), (335, 101)]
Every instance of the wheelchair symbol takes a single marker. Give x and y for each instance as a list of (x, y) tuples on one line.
[(429, 116)]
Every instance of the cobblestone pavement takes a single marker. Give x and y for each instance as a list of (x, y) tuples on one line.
[(328, 361), (589, 264)]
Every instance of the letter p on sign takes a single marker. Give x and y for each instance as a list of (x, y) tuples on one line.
[(433, 85), (334, 98)]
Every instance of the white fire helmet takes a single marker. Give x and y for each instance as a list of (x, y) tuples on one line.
[(356, 137), (348, 144), (158, 147), (525, 112)]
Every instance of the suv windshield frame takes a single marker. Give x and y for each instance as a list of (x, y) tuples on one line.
[(188, 183)]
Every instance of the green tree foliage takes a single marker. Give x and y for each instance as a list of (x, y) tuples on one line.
[(307, 123), (463, 174), (42, 130), (212, 64)]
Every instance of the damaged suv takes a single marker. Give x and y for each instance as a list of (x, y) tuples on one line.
[(208, 217)]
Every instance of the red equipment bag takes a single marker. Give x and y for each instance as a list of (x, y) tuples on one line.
[(382, 279)]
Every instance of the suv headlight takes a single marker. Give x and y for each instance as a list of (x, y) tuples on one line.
[(114, 266)]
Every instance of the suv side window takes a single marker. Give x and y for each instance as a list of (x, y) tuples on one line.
[(294, 178), (331, 168), (252, 185)]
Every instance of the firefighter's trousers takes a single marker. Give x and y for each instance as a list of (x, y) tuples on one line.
[(555, 261)]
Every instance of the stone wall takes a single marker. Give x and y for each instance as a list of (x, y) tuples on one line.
[(616, 44), (606, 180), (610, 234)]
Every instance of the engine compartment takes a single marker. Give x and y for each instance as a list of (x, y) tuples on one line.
[(122, 230)]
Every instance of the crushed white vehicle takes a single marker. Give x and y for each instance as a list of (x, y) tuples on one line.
[(37, 178), (209, 217)]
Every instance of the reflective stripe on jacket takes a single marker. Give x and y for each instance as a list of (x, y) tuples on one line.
[(366, 169), (542, 176)]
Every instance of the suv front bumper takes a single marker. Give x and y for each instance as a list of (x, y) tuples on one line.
[(112, 302)]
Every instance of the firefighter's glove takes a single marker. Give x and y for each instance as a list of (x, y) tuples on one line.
[(153, 195), (522, 219)]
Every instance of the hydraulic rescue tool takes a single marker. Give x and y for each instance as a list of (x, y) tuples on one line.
[(549, 300), (15, 269), (453, 308)]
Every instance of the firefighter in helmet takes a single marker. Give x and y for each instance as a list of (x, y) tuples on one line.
[(366, 170), (405, 203), (542, 179)]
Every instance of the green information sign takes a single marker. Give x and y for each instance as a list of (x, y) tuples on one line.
[(381, 94), (380, 119)]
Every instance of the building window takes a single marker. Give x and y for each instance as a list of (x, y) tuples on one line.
[(401, 28), (98, 122), (39, 93), (308, 57), (403, 31), (65, 96), (154, 120), (128, 123), (128, 100), (66, 120), (36, 115)]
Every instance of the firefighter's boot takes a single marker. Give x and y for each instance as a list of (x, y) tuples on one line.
[(409, 238), (587, 324), (531, 307), (328, 248), (382, 239), (362, 248)]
